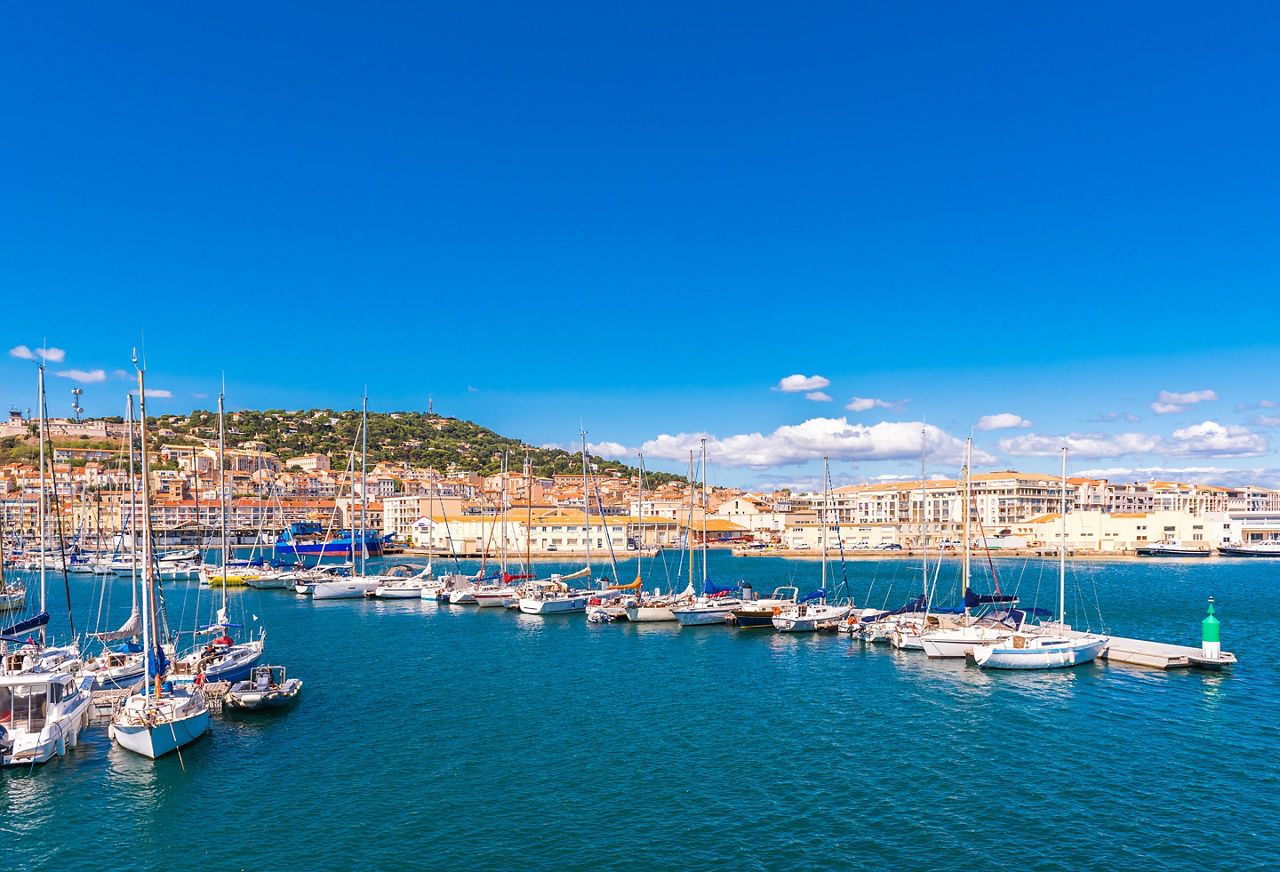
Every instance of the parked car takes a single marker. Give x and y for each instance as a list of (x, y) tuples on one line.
[(891, 546), (802, 546)]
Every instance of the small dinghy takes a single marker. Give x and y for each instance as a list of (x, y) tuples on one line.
[(266, 688)]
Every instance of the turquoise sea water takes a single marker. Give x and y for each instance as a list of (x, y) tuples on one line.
[(438, 737)]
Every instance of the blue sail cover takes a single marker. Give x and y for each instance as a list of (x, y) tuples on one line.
[(157, 663), (818, 594), (919, 604), (29, 624), (709, 589), (972, 599)]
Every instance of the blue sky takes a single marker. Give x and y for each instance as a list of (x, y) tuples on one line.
[(645, 217)]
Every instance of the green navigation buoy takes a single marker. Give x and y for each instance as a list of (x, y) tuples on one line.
[(1211, 635)]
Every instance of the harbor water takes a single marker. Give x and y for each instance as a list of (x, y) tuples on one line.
[(449, 737)]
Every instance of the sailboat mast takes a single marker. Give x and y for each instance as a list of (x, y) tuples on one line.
[(826, 505), (640, 517), (40, 509), (148, 590), (1062, 548), (705, 505), (133, 515), (222, 483), (688, 527), (968, 495), (586, 500), (528, 513), (364, 483), (924, 518)]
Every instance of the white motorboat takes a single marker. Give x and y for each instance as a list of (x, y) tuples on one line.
[(809, 617), (959, 641), (757, 613), (42, 714)]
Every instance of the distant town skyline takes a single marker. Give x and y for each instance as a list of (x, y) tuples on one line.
[(798, 235)]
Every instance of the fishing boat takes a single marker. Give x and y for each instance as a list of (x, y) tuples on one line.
[(42, 714), (266, 688), (811, 613), (163, 717), (1172, 548), (307, 539), (1054, 645)]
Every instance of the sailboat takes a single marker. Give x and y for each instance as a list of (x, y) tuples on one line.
[(1054, 645), (359, 583), (989, 624), (35, 655), (223, 659), (655, 607), (12, 598), (715, 605), (122, 666), (161, 718), (812, 612), (554, 596)]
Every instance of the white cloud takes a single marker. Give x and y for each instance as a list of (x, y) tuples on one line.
[(817, 397), (88, 377), (1001, 421), (199, 396), (813, 439), (610, 449), (1261, 420), (861, 404), (1207, 439), (1211, 439), (794, 384), (1191, 475), (53, 355), (1081, 444), (156, 394), (1170, 401)]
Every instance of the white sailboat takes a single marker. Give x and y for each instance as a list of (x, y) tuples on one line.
[(359, 583), (122, 667), (1053, 645), (714, 606), (812, 612), (162, 718), (554, 596)]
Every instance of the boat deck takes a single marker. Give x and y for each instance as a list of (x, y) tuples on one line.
[(105, 702)]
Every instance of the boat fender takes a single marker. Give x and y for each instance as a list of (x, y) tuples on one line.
[(777, 610)]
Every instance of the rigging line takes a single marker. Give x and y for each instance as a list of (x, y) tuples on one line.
[(57, 504)]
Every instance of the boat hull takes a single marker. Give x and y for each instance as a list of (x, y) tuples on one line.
[(347, 588), (161, 739), (650, 614), (1054, 656)]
